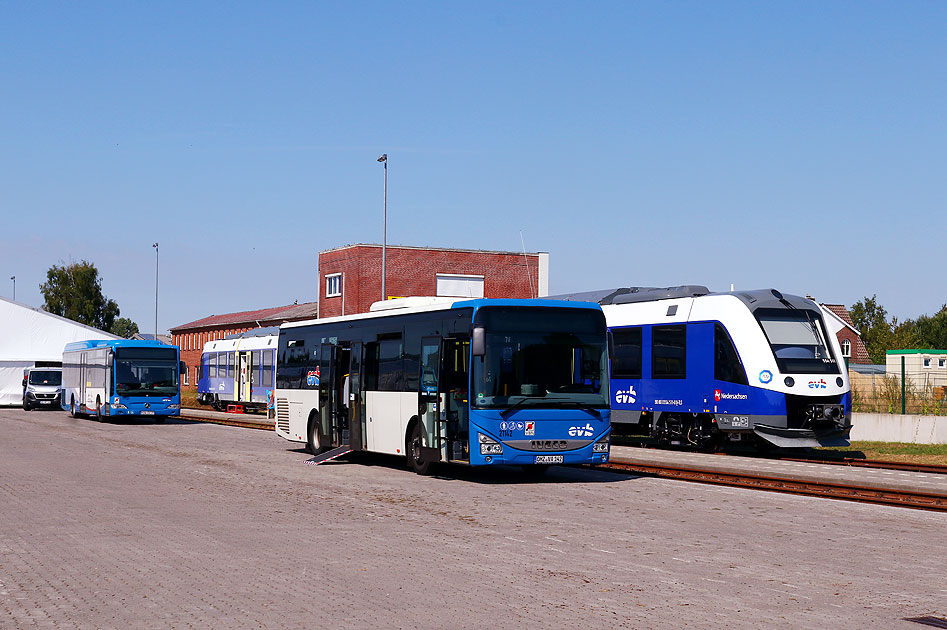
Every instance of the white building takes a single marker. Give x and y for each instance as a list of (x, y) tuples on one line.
[(30, 336), (923, 368)]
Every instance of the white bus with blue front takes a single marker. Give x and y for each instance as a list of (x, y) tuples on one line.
[(478, 382), (124, 377)]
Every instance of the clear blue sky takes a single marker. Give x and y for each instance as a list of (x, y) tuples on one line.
[(794, 145)]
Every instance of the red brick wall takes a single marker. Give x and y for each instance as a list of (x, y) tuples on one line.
[(192, 343), (413, 272)]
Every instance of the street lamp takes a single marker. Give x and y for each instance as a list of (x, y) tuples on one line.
[(155, 245), (14, 287), (384, 227)]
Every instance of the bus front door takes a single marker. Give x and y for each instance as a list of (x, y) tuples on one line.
[(454, 384)]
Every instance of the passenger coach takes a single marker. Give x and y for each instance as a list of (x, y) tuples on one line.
[(691, 367)]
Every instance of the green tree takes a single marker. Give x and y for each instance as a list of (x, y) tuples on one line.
[(871, 320), (124, 327), (931, 330), (74, 291)]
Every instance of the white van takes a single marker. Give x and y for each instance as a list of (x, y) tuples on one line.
[(41, 387)]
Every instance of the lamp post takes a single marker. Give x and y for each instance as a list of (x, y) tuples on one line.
[(384, 227), (155, 245), (14, 287)]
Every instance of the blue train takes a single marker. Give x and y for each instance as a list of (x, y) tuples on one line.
[(694, 368), (239, 370)]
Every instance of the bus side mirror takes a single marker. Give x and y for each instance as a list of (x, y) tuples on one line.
[(478, 343)]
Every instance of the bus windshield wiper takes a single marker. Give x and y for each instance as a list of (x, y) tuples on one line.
[(519, 403), (592, 409)]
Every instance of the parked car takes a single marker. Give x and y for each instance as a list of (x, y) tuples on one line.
[(41, 387)]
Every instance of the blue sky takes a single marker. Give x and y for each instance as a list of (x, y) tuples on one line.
[(792, 145)]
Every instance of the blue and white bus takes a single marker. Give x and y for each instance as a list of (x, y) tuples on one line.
[(239, 370), (122, 377), (479, 382)]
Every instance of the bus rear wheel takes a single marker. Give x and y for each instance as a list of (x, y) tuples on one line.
[(412, 449), (72, 407), (98, 409)]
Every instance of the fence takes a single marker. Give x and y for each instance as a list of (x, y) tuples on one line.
[(923, 393)]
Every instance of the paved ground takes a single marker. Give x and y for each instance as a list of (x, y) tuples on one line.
[(191, 525)]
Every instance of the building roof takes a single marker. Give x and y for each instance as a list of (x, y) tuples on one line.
[(916, 351), (263, 317), (165, 339), (859, 353), (428, 248)]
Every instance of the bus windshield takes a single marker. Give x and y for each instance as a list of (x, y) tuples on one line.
[(46, 377), (541, 357), (146, 372), (798, 340)]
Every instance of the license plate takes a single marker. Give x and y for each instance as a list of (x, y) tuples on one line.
[(548, 459), (147, 413)]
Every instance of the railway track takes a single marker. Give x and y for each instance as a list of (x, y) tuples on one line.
[(230, 422), (849, 492)]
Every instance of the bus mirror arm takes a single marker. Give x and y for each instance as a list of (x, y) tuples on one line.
[(478, 342)]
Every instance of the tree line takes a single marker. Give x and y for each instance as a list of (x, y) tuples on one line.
[(74, 291), (880, 334)]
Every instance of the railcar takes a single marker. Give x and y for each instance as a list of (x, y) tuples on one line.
[(239, 370), (694, 368)]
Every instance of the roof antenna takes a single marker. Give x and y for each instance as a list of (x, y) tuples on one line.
[(529, 276)]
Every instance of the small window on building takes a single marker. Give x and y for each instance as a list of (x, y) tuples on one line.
[(334, 285), (941, 363), (186, 372), (927, 362), (846, 348)]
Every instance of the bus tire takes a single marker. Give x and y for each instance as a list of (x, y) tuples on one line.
[(72, 407), (412, 449), (98, 409), (314, 440)]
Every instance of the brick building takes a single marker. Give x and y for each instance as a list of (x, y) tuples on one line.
[(350, 276), (191, 337), (853, 348)]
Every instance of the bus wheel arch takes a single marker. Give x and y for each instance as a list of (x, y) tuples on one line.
[(314, 439)]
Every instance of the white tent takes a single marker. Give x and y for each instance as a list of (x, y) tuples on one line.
[(28, 335)]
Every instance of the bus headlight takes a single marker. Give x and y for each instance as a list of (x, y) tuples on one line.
[(601, 446), (489, 446), (118, 406), (174, 406)]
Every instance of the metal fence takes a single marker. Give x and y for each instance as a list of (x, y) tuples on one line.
[(922, 392)]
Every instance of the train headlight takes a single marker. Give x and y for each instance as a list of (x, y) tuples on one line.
[(601, 446), (489, 446), (839, 381), (790, 381)]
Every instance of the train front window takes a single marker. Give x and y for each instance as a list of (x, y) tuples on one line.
[(542, 357), (798, 341)]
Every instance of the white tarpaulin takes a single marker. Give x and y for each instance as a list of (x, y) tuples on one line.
[(28, 335)]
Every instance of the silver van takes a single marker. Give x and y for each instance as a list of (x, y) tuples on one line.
[(41, 387)]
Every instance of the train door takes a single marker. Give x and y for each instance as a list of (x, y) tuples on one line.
[(244, 374), (356, 406)]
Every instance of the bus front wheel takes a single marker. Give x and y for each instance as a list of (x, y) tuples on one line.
[(412, 449), (314, 439)]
